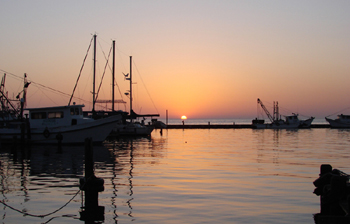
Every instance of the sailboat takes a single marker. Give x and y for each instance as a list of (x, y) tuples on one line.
[(290, 122), (129, 126)]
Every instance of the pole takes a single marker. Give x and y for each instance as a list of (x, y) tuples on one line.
[(93, 83), (113, 71), (130, 88), (166, 117), (91, 185)]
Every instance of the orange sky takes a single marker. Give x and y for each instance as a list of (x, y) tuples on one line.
[(202, 59)]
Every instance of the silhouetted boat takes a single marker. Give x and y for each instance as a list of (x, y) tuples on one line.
[(130, 127), (127, 126), (64, 123), (342, 121), (290, 122)]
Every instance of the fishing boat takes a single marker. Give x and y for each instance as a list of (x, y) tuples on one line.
[(65, 124), (290, 122), (342, 121)]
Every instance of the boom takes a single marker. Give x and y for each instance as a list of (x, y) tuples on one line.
[(266, 111)]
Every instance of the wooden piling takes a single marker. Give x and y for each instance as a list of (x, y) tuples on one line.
[(91, 185)]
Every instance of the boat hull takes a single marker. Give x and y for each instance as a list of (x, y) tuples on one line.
[(336, 123), (284, 125), (98, 130), (132, 130), (306, 123)]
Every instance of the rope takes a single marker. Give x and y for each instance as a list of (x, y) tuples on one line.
[(338, 112), (104, 71), (68, 216), (146, 88), (40, 216), (81, 69), (43, 86)]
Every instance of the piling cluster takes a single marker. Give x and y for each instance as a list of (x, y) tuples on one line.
[(334, 190)]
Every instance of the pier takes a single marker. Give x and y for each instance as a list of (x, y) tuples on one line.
[(225, 126)]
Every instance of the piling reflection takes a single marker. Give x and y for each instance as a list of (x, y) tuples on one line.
[(27, 173), (91, 185), (271, 143), (126, 154)]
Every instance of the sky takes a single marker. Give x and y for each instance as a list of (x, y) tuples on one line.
[(199, 58)]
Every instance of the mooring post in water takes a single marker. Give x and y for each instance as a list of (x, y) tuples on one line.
[(334, 191), (91, 185)]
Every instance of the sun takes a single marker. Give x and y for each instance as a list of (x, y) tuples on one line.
[(183, 117)]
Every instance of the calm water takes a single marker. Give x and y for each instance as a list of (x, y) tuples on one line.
[(231, 121), (182, 176)]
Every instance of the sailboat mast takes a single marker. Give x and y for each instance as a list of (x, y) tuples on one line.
[(93, 83), (130, 88), (113, 74)]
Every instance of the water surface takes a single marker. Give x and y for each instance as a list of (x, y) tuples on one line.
[(181, 176)]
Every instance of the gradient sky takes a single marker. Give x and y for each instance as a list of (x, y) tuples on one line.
[(203, 58)]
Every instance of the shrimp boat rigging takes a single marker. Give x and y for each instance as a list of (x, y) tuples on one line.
[(290, 122), (9, 111), (65, 124), (50, 125)]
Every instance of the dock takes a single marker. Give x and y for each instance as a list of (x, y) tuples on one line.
[(226, 126)]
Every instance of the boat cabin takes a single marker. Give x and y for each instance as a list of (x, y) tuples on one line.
[(56, 116), (344, 117), (292, 119)]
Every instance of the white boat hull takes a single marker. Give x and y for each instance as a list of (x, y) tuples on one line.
[(98, 130), (132, 130), (337, 123)]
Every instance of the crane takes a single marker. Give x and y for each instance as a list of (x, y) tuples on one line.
[(266, 111)]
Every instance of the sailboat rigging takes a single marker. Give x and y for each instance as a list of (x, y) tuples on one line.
[(95, 93)]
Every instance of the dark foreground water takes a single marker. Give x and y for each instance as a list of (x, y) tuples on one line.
[(182, 176)]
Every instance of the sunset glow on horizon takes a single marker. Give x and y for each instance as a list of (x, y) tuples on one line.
[(206, 58)]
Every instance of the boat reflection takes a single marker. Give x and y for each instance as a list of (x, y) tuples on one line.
[(126, 153), (25, 174)]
